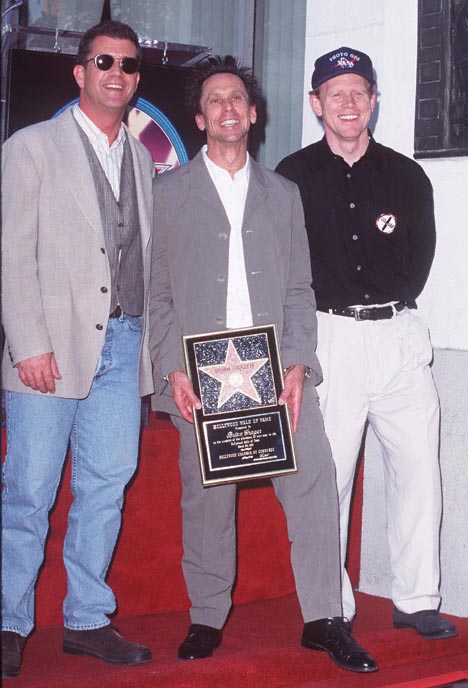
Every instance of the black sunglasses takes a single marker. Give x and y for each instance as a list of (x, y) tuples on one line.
[(104, 62)]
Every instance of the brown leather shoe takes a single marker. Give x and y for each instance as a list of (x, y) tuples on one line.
[(106, 644), (12, 650)]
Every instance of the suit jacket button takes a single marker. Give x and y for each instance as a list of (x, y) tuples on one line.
[(99, 327), (104, 290), (103, 250), (219, 321), (221, 278)]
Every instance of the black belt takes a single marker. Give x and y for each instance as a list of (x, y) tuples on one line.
[(117, 313), (376, 313)]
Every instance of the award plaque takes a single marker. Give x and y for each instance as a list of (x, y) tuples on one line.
[(242, 432)]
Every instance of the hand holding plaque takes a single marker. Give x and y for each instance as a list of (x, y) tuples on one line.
[(242, 431)]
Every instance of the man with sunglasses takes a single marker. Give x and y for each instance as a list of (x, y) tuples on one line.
[(76, 242)]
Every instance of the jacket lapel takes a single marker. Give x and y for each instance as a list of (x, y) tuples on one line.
[(258, 191), (143, 182), (203, 186), (77, 171), (206, 190)]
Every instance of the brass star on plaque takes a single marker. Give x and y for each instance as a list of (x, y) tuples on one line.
[(235, 375)]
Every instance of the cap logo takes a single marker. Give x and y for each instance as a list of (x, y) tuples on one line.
[(344, 63), (386, 223), (344, 60)]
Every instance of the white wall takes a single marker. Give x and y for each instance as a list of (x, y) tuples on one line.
[(387, 31)]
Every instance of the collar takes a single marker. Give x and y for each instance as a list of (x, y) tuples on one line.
[(371, 156), (221, 173), (96, 135)]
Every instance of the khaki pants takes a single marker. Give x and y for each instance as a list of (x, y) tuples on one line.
[(379, 372)]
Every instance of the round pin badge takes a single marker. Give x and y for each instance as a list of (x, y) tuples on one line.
[(386, 223)]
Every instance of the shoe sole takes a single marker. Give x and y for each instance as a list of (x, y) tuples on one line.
[(313, 646), (69, 649), (192, 657), (427, 636)]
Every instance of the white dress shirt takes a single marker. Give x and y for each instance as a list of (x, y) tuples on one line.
[(110, 157), (233, 193)]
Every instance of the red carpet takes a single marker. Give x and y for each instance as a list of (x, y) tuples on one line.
[(260, 649), (261, 646)]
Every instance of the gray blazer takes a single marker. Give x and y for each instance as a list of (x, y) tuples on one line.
[(54, 261), (190, 267)]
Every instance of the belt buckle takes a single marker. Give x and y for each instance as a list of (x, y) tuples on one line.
[(364, 314)]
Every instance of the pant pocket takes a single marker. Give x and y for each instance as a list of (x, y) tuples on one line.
[(415, 342), (133, 322)]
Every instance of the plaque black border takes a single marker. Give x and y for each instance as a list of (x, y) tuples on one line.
[(230, 474)]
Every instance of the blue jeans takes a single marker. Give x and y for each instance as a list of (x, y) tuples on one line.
[(103, 431)]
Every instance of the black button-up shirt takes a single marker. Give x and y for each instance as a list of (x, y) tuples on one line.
[(371, 226)]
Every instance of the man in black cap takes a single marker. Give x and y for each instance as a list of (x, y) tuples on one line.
[(370, 221)]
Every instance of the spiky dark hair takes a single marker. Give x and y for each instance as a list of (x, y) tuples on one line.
[(216, 64)]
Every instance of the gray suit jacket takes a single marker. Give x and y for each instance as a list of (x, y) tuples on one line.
[(190, 267), (54, 262)]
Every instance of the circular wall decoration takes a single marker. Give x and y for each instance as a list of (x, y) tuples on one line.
[(153, 129)]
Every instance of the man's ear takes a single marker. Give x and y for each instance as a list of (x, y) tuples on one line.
[(315, 104), (200, 121), (78, 73)]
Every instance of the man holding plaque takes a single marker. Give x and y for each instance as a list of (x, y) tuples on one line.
[(231, 252)]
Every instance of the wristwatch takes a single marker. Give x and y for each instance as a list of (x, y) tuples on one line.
[(307, 371)]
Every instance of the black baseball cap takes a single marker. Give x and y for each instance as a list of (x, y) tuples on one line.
[(342, 61)]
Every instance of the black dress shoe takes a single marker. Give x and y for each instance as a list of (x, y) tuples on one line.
[(428, 623), (106, 644), (12, 650), (200, 642), (334, 636)]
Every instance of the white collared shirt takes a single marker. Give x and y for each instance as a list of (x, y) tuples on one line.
[(110, 157), (233, 193)]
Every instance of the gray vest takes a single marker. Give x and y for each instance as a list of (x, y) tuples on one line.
[(121, 226)]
